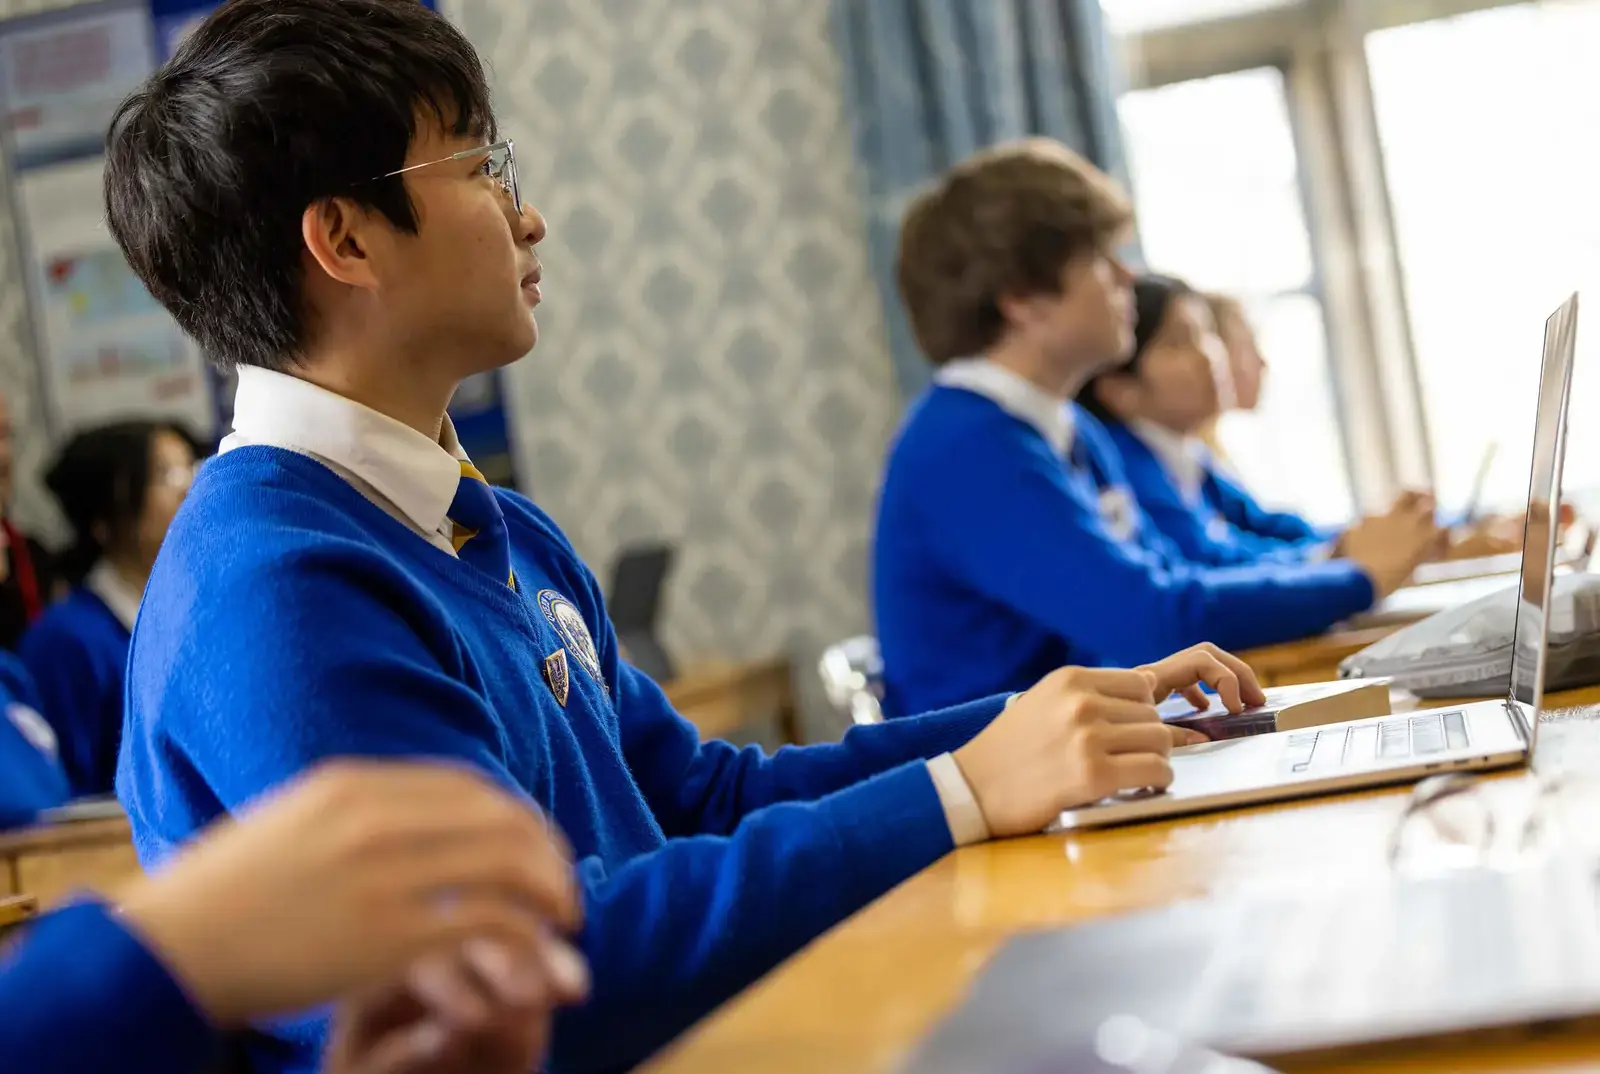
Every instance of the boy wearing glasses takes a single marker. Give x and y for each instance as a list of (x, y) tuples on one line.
[(316, 190)]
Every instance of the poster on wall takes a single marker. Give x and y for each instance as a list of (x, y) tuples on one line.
[(62, 76), (106, 348), (110, 349)]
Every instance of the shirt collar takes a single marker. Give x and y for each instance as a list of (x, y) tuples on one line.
[(416, 474), (1184, 458), (1016, 395), (121, 599)]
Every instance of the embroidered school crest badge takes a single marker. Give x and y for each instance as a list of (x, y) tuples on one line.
[(555, 673), (568, 624), (1118, 513)]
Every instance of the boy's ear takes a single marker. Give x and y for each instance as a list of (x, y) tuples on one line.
[(1018, 311), (337, 233)]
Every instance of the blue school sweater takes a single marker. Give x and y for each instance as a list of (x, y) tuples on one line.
[(31, 779), (77, 654), (290, 620), (993, 566), (82, 995), (1227, 526)]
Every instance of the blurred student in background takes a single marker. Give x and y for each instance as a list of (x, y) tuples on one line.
[(329, 889), (25, 577), (1007, 541), (1177, 381), (119, 487), (31, 779), (1246, 371)]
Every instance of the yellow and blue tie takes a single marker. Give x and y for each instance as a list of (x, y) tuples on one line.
[(480, 535)]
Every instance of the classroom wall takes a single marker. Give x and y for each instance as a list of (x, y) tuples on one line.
[(19, 374), (712, 367)]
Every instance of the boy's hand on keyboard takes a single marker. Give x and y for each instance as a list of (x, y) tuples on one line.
[(1079, 736), (1183, 673)]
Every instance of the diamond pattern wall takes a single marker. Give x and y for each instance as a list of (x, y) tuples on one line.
[(712, 368)]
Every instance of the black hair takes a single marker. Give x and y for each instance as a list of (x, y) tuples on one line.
[(269, 107), (100, 478), (1153, 296)]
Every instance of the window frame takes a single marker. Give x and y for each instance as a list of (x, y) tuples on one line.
[(1319, 45)]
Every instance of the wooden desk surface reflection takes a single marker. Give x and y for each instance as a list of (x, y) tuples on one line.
[(858, 1000)]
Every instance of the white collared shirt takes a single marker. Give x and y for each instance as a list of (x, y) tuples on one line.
[(1018, 396), (120, 598), (402, 471), (1184, 458)]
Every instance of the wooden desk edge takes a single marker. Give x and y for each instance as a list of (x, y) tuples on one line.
[(64, 835)]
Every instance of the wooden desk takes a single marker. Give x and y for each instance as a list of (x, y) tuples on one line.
[(722, 699), (53, 860), (860, 998), (15, 909)]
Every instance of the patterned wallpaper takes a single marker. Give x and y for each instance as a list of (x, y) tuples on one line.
[(712, 369)]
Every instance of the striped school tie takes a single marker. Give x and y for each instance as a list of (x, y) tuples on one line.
[(480, 535)]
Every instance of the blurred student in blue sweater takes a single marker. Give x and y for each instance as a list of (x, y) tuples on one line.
[(119, 487), (342, 581), (1249, 521), (31, 779), (328, 890), (1155, 407), (1007, 539)]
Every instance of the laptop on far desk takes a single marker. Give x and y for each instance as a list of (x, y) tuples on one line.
[(1397, 749)]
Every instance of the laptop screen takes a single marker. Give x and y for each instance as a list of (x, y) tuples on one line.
[(1542, 522)]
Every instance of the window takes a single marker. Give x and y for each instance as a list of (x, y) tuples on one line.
[(1218, 192), (1442, 153), (1130, 16), (1493, 182)]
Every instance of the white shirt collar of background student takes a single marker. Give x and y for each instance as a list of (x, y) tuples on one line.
[(1183, 457), (117, 595), (1014, 394), (1047, 414), (404, 472)]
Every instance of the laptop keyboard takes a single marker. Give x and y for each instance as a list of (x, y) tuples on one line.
[(1391, 740)]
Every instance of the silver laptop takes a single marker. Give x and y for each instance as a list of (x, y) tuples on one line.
[(1396, 749)]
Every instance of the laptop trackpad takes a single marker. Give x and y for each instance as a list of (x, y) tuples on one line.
[(1231, 764)]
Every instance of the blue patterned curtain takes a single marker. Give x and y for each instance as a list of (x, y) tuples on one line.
[(932, 81)]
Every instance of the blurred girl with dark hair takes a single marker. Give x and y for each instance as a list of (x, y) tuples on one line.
[(119, 487)]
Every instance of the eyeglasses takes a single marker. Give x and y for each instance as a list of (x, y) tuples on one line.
[(177, 478), (1456, 821), (499, 164)]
